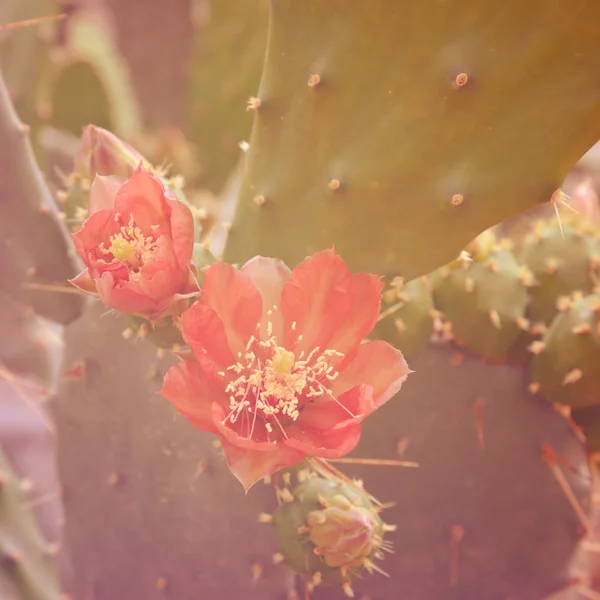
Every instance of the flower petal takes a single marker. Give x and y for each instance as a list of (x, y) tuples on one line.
[(235, 299), (269, 276), (376, 364), (250, 466), (96, 229), (120, 297), (315, 298), (84, 282), (365, 302), (203, 330), (324, 444), (182, 232), (185, 387), (103, 191), (143, 196), (326, 414)]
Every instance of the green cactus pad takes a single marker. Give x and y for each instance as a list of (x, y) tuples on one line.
[(561, 260), (410, 325), (336, 514), (566, 368), (485, 301), (27, 570), (399, 132)]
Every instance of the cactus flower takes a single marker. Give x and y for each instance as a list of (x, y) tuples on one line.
[(277, 367), (103, 153), (137, 245)]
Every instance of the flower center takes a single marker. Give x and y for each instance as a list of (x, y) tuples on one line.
[(273, 384), (130, 246)]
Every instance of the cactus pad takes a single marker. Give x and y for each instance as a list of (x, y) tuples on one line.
[(399, 132)]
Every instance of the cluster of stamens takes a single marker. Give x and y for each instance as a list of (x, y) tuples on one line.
[(271, 382), (130, 246)]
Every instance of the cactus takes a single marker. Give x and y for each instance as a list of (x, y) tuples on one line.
[(26, 561), (485, 299), (330, 531), (408, 315), (28, 212), (400, 143), (565, 368)]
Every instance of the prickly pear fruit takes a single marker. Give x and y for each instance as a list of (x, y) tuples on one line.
[(329, 531), (562, 259), (484, 299), (407, 315), (359, 93), (565, 366)]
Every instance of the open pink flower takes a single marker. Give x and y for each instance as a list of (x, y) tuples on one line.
[(278, 369), (137, 244)]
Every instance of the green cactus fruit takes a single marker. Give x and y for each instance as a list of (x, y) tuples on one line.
[(26, 562), (484, 298), (329, 531), (562, 258), (484, 516), (229, 47), (398, 134), (35, 250), (150, 495), (407, 315), (565, 366)]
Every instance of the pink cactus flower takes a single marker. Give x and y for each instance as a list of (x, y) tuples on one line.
[(137, 245), (277, 367)]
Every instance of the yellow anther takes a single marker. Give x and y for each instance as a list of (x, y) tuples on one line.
[(121, 249)]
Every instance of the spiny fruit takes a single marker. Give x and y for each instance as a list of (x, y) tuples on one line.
[(330, 531), (484, 297), (562, 258), (565, 368), (407, 315)]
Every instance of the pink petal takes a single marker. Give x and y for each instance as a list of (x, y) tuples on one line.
[(143, 196), (323, 444), (95, 229), (236, 300), (316, 298), (376, 364), (185, 387), (182, 232), (268, 275), (161, 276), (365, 302), (326, 413), (84, 282), (250, 466), (120, 297), (203, 330), (103, 191)]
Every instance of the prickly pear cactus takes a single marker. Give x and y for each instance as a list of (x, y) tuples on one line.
[(29, 213), (484, 515), (565, 368), (399, 134), (27, 570), (159, 501)]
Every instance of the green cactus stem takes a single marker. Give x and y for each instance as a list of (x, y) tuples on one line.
[(35, 247), (398, 133), (26, 562)]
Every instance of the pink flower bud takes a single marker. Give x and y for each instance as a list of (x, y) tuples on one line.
[(103, 153)]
